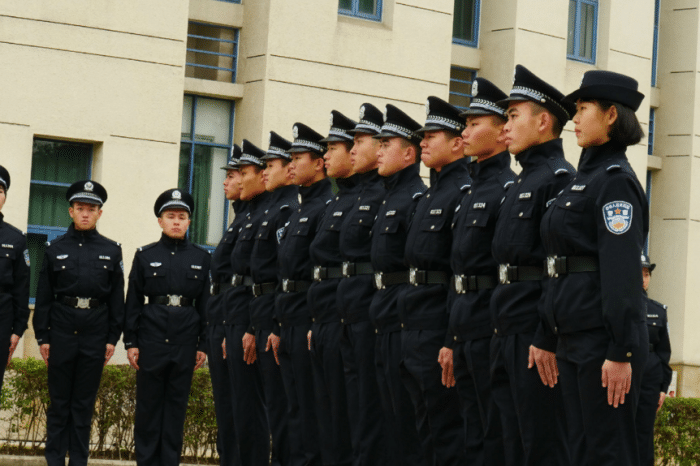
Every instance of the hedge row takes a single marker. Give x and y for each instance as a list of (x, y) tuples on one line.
[(25, 398)]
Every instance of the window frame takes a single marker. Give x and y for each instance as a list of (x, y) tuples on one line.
[(234, 56), (354, 11), (193, 142), (576, 56), (655, 48), (477, 19), (451, 92)]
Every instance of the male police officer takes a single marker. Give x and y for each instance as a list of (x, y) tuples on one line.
[(239, 346), (263, 269), (423, 307), (532, 414), (221, 273), (77, 321), (399, 164), (475, 270), (324, 338), (289, 340), (355, 293)]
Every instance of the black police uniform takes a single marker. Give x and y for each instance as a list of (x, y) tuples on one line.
[(593, 234), (221, 273), (656, 379), (168, 330), (264, 270), (246, 383), (79, 310), (327, 362), (292, 311), (403, 190)]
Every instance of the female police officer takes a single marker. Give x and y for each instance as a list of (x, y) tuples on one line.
[(173, 274), (593, 232)]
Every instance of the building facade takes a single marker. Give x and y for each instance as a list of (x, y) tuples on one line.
[(100, 88)]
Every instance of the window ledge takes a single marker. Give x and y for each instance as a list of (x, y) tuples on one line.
[(217, 89)]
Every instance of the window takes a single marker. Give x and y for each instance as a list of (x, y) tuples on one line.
[(655, 50), (461, 80), (55, 166), (207, 134), (212, 52), (465, 23), (650, 138), (581, 41), (646, 241), (366, 9)]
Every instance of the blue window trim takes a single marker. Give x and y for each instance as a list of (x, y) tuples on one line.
[(577, 32), (192, 141), (230, 1), (650, 138), (354, 11), (208, 52), (648, 193), (655, 51), (477, 17), (461, 81)]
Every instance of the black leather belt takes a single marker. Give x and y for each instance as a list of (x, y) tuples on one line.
[(382, 280), (652, 348), (325, 273), (427, 277), (510, 273), (217, 288), (260, 289), (295, 286), (80, 303), (560, 265), (463, 283), (350, 269), (241, 280), (172, 300)]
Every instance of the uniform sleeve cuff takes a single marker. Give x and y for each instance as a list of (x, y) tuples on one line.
[(618, 354)]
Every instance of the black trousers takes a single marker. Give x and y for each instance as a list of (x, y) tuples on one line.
[(532, 414), (364, 400), (439, 406), (5, 336), (75, 369), (248, 405), (646, 408), (163, 384), (275, 399), (297, 375), (602, 435), (483, 434), (226, 440), (331, 398), (404, 445)]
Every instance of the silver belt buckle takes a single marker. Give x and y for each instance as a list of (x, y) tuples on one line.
[(174, 300), (285, 285), (379, 280), (211, 289), (83, 303), (503, 274), (346, 269), (412, 276), (234, 280), (459, 284), (552, 266), (317, 273)]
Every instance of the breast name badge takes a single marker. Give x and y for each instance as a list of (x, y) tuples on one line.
[(617, 216)]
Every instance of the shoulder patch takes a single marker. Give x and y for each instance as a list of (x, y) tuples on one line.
[(549, 202), (617, 216), (26, 257), (279, 233)]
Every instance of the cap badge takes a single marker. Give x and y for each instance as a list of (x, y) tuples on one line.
[(362, 112), (177, 195), (386, 111), (269, 143), (295, 132), (331, 118), (427, 107), (515, 73), (89, 186), (475, 88)]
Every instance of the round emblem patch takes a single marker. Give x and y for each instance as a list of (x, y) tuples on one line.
[(617, 216), (177, 194), (475, 88), (427, 107), (89, 186), (295, 132), (331, 119), (362, 112)]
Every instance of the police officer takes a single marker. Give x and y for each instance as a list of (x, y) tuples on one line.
[(475, 270), (657, 373), (14, 281), (166, 319), (399, 165), (221, 273), (326, 329), (239, 345), (77, 321), (532, 417), (423, 307), (593, 233), (289, 340), (264, 270), (355, 292)]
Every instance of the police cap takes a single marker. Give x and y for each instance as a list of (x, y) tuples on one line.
[(4, 178), (340, 128), (251, 155), (87, 191), (399, 125), (646, 263), (608, 85), (485, 96), (278, 148), (174, 199), (441, 116), (233, 159), (371, 120), (307, 140)]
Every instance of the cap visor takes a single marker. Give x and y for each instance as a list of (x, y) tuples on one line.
[(504, 103), (476, 112), (433, 128), (335, 139), (298, 149), (363, 131), (230, 167), (86, 200)]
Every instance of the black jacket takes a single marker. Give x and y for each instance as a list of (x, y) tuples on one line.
[(657, 325), (14, 279)]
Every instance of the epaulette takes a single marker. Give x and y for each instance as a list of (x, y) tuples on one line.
[(15, 229), (112, 241), (55, 240), (285, 206), (560, 166), (506, 178), (148, 246), (207, 250), (464, 187), (613, 167), (658, 304), (624, 167), (329, 201), (418, 194)]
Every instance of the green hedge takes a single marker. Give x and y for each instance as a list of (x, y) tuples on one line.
[(25, 397), (677, 432)]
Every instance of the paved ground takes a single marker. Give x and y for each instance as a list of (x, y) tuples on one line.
[(9, 460)]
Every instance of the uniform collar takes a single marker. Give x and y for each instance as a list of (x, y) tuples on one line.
[(2, 220), (595, 156), (259, 200), (172, 243), (309, 192), (283, 192), (489, 167), (537, 155), (401, 176), (370, 177), (238, 206), (346, 184), (81, 234), (451, 170)]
